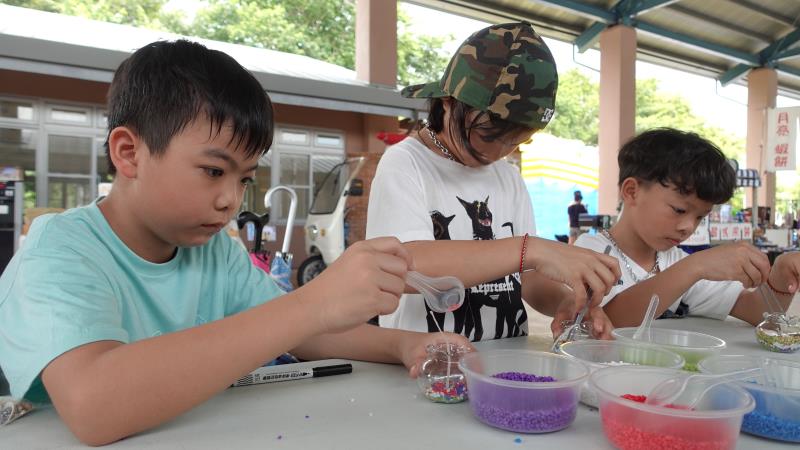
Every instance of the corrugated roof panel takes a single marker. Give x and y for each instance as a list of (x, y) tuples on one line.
[(694, 23), (722, 33)]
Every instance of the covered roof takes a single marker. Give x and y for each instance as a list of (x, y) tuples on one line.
[(55, 44), (722, 39)]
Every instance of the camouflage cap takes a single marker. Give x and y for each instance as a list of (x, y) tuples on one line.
[(504, 69)]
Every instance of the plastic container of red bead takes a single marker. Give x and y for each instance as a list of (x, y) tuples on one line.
[(777, 396), (523, 391), (630, 424)]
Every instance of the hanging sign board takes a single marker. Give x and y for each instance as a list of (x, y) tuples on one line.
[(781, 138)]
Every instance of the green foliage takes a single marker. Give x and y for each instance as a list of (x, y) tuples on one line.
[(320, 29), (577, 108), (658, 109), (419, 57), (145, 13)]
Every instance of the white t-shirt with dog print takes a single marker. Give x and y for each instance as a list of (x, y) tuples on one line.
[(417, 195), (706, 298)]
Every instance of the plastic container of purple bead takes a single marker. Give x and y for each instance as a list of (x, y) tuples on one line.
[(518, 401)]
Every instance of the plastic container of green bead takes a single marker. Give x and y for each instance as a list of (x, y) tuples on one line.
[(691, 345)]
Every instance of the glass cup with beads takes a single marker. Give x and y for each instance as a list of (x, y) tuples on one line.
[(440, 379), (582, 331), (779, 333)]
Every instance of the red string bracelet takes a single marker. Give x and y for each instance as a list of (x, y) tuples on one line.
[(778, 291), (522, 253)]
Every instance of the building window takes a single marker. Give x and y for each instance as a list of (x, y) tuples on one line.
[(69, 171), (299, 159), (18, 149), (58, 146), (16, 109), (69, 115)]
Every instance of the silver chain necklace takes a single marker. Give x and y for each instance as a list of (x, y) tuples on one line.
[(625, 260), (438, 144)]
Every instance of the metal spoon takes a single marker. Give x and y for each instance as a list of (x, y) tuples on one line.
[(568, 334)]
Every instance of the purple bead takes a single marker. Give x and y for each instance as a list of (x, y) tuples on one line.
[(520, 409), (522, 376), (531, 421)]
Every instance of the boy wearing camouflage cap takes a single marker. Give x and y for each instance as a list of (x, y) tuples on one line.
[(449, 182)]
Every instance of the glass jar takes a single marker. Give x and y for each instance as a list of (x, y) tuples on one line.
[(439, 378), (581, 332), (779, 333)]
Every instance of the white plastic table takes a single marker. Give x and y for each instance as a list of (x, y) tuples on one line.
[(375, 407)]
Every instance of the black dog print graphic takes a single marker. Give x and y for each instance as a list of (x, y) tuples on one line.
[(495, 294), (441, 232), (441, 226), (481, 218)]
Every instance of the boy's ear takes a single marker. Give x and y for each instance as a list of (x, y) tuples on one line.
[(629, 191), (124, 149)]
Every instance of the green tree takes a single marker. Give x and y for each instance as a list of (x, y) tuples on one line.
[(578, 108), (141, 13), (320, 29), (419, 57)]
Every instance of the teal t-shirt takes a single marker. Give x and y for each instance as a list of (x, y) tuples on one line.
[(74, 282)]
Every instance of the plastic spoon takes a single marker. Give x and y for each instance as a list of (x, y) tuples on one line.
[(442, 294), (773, 305), (768, 366), (649, 315), (669, 390)]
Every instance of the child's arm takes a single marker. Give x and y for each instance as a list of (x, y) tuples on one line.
[(731, 262), (475, 262), (784, 276), (107, 390), (371, 343)]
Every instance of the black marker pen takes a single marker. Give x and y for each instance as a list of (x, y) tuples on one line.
[(273, 374)]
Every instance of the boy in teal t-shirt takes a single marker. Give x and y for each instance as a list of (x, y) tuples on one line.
[(107, 307)]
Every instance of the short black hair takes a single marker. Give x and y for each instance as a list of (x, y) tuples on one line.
[(165, 85), (693, 164), (492, 129)]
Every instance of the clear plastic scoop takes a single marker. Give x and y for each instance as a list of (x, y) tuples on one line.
[(649, 315), (442, 294), (672, 389), (772, 303)]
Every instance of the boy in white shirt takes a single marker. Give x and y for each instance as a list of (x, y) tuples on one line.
[(669, 180)]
